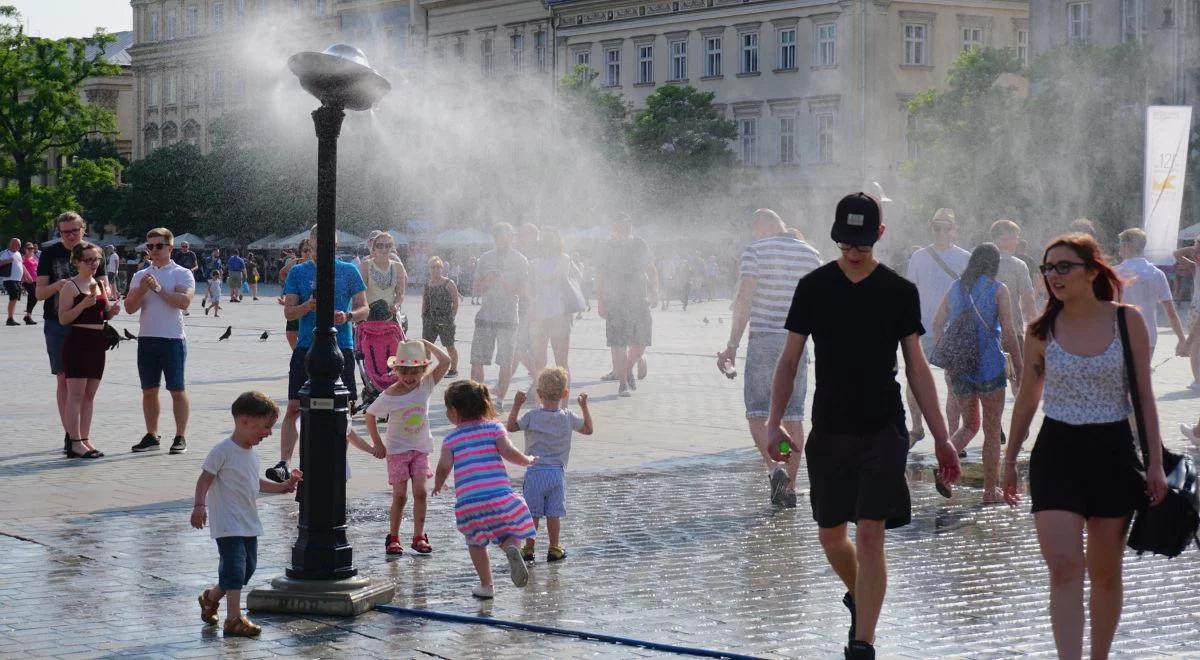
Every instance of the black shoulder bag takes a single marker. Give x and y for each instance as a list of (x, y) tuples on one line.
[(1169, 528)]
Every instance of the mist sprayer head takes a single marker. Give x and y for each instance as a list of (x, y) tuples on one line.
[(340, 77)]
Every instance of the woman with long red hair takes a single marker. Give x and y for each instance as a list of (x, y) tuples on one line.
[(1084, 470)]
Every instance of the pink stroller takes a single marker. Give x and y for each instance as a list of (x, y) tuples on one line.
[(375, 342)]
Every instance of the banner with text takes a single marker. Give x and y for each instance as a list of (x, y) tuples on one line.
[(1167, 129)]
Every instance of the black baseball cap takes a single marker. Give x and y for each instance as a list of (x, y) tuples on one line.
[(856, 221)]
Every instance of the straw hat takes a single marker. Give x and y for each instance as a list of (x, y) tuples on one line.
[(944, 215), (409, 354)]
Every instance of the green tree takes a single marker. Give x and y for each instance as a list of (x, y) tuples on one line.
[(590, 113), (166, 188), (680, 131), (41, 109)]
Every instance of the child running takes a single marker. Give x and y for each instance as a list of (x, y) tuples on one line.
[(487, 511), (548, 436), (406, 407), (228, 484)]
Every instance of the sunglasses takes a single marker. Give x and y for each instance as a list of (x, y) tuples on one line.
[(383, 245), (155, 246), (1062, 267), (846, 247)]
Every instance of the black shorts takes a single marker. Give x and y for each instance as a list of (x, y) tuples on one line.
[(292, 326), (859, 476), (432, 329), (1088, 469), (13, 289), (627, 325), (297, 375)]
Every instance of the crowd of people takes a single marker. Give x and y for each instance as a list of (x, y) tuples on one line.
[(1055, 339)]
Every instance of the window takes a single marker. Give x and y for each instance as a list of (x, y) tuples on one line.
[(787, 48), (239, 12), (485, 56), (151, 136), (170, 134), (748, 141), (972, 38), (153, 26), (1133, 20), (583, 57), (910, 138), (539, 49), (320, 8), (679, 60), (152, 92), (612, 67), (645, 63), (218, 16), (439, 52), (1023, 47), (787, 140), (826, 54), (193, 21), (750, 52), (460, 50), (518, 50), (915, 35), (712, 56), (171, 24), (218, 85), (1079, 22), (194, 87), (825, 137), (169, 84)]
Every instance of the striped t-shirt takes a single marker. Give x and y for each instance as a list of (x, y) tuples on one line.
[(777, 263)]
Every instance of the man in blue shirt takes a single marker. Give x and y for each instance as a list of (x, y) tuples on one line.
[(237, 275), (349, 304)]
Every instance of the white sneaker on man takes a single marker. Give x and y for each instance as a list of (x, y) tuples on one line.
[(1189, 432)]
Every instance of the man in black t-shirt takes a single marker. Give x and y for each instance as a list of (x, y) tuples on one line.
[(858, 312)]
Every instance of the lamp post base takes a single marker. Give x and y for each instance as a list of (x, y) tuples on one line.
[(349, 597)]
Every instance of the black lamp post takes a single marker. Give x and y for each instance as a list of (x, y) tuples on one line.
[(321, 577)]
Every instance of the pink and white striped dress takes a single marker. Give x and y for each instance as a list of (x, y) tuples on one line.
[(488, 510)]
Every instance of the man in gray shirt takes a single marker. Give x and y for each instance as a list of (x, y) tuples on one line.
[(500, 278)]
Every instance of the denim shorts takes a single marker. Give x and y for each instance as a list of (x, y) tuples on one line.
[(239, 558), (56, 334), (158, 357), (762, 354), (545, 491)]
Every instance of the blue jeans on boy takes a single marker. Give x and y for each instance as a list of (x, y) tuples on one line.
[(239, 558)]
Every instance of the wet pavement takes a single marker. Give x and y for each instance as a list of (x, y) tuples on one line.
[(670, 536)]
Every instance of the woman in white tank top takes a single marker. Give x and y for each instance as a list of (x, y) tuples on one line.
[(1084, 470)]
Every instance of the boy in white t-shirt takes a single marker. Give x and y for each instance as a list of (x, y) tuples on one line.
[(405, 405), (228, 486)]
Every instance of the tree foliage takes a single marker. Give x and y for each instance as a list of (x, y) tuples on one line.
[(681, 131), (589, 112), (166, 189), (41, 110)]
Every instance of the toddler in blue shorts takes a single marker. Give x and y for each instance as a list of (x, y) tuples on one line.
[(225, 499), (548, 437)]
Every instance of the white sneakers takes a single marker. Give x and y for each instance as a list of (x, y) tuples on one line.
[(483, 593), (1186, 430), (516, 565)]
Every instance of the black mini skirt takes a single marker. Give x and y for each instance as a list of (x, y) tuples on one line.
[(1088, 469)]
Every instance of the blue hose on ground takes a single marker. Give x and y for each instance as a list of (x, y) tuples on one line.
[(564, 632)]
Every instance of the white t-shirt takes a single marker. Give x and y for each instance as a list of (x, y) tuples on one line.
[(158, 319), (1145, 287), (232, 499), (113, 263), (933, 282), (18, 264), (408, 419), (1014, 274)]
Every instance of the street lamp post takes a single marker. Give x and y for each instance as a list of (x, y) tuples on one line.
[(321, 577)]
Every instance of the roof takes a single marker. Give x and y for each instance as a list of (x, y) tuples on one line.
[(118, 51)]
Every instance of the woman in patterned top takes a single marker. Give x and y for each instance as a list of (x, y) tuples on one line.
[(487, 511)]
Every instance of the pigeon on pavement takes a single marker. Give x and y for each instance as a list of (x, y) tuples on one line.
[(228, 332), (264, 336), (129, 335)]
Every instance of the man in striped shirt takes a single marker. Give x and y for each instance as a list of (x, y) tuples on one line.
[(770, 268)]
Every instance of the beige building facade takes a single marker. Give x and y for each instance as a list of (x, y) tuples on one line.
[(497, 38)]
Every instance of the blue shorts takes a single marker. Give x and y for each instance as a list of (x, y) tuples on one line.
[(239, 558), (158, 357), (56, 334), (298, 374), (545, 491), (762, 354)]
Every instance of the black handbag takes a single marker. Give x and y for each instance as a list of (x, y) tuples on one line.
[(1169, 528)]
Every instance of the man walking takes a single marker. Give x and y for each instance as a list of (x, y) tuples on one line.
[(501, 278), (185, 258), (934, 268), (349, 305), (771, 268), (237, 274), (1146, 287), (1014, 273), (54, 270), (161, 294), (626, 288), (12, 270), (857, 311)]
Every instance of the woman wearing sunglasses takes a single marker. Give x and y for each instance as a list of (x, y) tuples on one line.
[(385, 277), (84, 306), (1084, 470)]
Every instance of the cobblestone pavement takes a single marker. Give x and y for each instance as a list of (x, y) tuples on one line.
[(669, 534)]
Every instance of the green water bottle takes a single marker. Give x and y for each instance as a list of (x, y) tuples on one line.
[(785, 448)]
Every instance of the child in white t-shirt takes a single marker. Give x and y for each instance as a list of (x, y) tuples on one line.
[(227, 488), (405, 405)]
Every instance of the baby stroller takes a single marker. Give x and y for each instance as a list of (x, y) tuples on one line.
[(374, 342)]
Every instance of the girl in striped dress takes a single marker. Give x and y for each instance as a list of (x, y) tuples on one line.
[(487, 511)]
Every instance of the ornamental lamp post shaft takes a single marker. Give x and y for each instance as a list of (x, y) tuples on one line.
[(321, 577)]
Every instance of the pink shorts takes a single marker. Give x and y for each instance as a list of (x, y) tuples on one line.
[(405, 465)]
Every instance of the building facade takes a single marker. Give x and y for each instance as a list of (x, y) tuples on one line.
[(497, 38)]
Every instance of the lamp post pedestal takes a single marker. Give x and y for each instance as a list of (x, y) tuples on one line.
[(321, 577)]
